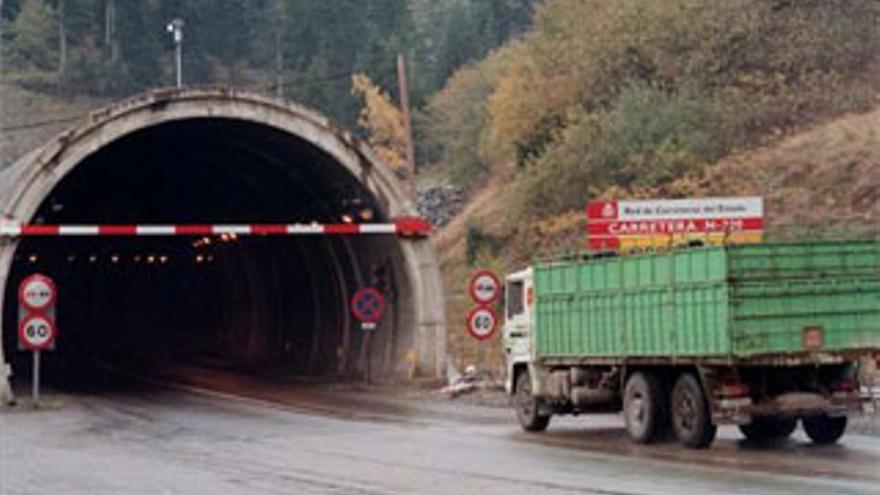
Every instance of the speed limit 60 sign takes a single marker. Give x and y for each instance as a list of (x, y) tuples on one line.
[(37, 332), (481, 322)]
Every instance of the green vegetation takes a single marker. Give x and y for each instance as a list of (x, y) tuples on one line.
[(112, 48), (632, 94)]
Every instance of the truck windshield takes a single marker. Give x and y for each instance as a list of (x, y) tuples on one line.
[(515, 305)]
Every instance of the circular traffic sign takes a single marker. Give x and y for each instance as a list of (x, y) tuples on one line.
[(36, 332), (367, 305), (481, 322), (485, 288), (37, 292)]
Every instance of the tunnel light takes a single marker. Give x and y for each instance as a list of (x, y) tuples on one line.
[(71, 258), (93, 258), (137, 258), (346, 218), (114, 259), (163, 259), (366, 214), (200, 259), (33, 258), (210, 259), (151, 259)]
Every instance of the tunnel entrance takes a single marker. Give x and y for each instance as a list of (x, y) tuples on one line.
[(258, 303)]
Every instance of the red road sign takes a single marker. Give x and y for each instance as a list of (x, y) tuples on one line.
[(484, 287), (37, 293), (482, 322), (658, 223), (37, 332), (367, 305)]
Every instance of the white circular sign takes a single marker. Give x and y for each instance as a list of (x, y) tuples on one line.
[(485, 288), (36, 332), (37, 292), (482, 322)]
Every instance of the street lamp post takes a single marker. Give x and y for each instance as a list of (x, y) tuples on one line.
[(175, 27)]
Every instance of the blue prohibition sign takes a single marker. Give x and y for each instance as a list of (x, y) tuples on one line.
[(368, 304)]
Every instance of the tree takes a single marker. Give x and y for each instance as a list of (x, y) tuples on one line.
[(384, 122), (32, 34)]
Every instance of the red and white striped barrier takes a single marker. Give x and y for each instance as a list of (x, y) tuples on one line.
[(401, 227)]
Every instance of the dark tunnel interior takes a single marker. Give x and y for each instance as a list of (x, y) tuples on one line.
[(260, 304)]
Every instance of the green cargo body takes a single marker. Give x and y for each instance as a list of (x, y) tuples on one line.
[(716, 302)]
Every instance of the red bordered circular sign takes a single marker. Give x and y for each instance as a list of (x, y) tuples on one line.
[(37, 292), (484, 287), (367, 305), (37, 332), (482, 322)]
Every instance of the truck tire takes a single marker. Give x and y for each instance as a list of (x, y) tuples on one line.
[(824, 429), (528, 406), (691, 418), (644, 407), (769, 428)]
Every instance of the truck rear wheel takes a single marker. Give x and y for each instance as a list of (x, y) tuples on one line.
[(644, 407), (528, 406), (769, 428), (691, 419), (824, 429)]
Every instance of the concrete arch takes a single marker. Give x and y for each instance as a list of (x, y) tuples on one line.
[(26, 186)]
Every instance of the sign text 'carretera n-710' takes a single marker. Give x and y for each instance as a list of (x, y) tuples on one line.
[(662, 223)]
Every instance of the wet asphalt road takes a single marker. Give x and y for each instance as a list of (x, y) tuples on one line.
[(333, 441)]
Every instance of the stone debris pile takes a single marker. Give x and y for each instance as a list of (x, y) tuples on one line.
[(440, 203)]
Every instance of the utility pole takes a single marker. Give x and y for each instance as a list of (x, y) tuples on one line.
[(175, 27), (407, 123)]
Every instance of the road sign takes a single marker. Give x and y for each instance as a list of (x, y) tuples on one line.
[(36, 332), (484, 288), (37, 293), (482, 322), (663, 223), (367, 305)]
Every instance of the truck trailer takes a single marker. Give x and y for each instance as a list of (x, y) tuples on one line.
[(760, 336)]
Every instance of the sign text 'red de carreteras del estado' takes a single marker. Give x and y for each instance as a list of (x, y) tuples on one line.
[(662, 223)]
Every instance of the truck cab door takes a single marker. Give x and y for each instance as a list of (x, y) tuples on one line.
[(519, 296)]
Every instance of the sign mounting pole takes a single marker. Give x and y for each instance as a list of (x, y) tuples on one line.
[(37, 330), (367, 305), (35, 386)]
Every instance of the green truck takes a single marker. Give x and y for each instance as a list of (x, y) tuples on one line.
[(758, 336)]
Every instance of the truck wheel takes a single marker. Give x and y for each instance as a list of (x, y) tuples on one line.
[(769, 428), (690, 413), (824, 429), (528, 406), (644, 407)]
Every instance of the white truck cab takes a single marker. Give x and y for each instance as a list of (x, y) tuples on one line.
[(518, 303)]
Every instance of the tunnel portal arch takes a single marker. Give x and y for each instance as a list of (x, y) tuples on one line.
[(278, 139)]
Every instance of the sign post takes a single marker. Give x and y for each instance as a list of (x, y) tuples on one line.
[(37, 330), (367, 305), (485, 290)]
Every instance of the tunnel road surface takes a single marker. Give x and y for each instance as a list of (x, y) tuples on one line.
[(164, 442)]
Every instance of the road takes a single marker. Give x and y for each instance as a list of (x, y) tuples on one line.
[(302, 439)]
